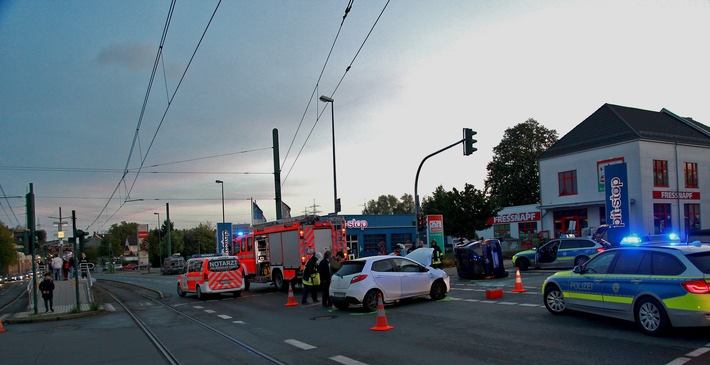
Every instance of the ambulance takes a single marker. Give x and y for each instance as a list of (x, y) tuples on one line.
[(277, 251), (211, 274)]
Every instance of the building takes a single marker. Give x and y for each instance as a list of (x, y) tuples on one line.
[(667, 161), (521, 223), (370, 235)]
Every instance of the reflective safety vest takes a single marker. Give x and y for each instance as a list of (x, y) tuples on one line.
[(436, 256)]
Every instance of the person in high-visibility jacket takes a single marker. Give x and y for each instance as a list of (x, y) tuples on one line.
[(436, 255)]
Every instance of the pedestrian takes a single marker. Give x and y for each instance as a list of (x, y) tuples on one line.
[(47, 289), (72, 262), (56, 267), (398, 250), (83, 265), (436, 255), (336, 262), (65, 269), (325, 273), (419, 244), (309, 273)]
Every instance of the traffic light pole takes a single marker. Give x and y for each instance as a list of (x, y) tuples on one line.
[(30, 202), (416, 182)]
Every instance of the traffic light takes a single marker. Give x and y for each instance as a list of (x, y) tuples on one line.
[(421, 222), (22, 238), (468, 141), (80, 235)]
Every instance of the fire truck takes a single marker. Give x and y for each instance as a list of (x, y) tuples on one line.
[(277, 251)]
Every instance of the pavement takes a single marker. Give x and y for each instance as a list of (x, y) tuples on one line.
[(65, 302)]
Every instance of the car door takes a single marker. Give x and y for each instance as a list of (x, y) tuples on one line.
[(546, 255), (626, 279), (415, 278), (193, 274), (387, 278), (586, 288)]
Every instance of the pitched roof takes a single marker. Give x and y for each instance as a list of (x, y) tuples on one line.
[(612, 124)]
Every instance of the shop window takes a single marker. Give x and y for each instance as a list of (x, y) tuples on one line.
[(692, 217), (526, 231), (660, 173), (373, 244), (567, 181), (501, 230), (691, 175), (662, 218)]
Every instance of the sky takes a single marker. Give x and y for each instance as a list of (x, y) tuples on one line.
[(82, 122)]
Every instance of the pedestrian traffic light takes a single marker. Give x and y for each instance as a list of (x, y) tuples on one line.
[(421, 222), (468, 141)]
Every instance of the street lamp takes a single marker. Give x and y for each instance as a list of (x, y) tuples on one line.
[(326, 99), (160, 249), (222, 183)]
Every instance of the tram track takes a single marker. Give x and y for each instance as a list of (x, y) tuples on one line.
[(169, 345)]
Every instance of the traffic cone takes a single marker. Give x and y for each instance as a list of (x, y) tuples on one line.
[(381, 324), (1, 328), (291, 302), (518, 282)]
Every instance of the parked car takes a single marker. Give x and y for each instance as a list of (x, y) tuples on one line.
[(212, 275), (395, 277), (130, 267), (655, 286), (558, 253)]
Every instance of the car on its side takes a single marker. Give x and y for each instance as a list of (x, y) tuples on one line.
[(558, 253), (658, 287), (361, 281)]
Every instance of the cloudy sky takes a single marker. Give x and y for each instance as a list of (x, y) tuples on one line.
[(78, 109)]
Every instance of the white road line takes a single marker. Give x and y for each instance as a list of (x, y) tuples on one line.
[(346, 360), (698, 352), (507, 303), (224, 316), (472, 300), (109, 307), (197, 306), (238, 322), (210, 311), (679, 361), (299, 344), (529, 305)]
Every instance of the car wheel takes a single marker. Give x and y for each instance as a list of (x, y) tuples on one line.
[(369, 302), (341, 305), (522, 263), (237, 293), (555, 300), (651, 317), (180, 291), (438, 290), (279, 280), (198, 292), (580, 260)]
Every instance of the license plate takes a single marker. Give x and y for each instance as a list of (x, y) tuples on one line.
[(339, 295), (225, 281)]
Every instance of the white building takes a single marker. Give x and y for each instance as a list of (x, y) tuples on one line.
[(668, 168)]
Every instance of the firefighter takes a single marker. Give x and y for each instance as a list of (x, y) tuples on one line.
[(309, 285), (398, 250), (436, 255)]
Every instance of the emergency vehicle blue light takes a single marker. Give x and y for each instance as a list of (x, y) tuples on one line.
[(631, 240), (240, 233), (673, 236)]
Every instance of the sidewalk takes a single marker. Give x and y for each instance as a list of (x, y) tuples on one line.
[(64, 302)]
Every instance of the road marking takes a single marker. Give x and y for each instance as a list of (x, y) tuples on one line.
[(210, 311), (346, 360), (472, 300), (224, 316), (197, 306), (299, 344), (698, 352), (507, 303), (238, 322), (530, 305), (109, 307), (679, 361)]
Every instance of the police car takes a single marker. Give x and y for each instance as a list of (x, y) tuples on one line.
[(658, 287), (211, 274), (558, 253)]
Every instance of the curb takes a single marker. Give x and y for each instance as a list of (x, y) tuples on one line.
[(53, 317)]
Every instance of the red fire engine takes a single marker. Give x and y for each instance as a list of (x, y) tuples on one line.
[(277, 251)]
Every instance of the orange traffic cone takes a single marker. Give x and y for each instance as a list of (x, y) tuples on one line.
[(518, 282), (1, 328), (291, 302), (381, 324)]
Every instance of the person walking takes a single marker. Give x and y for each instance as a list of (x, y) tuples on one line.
[(325, 273), (46, 287), (72, 263), (309, 271), (57, 267), (436, 255), (83, 265)]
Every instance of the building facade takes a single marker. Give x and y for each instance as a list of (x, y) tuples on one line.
[(667, 161), (370, 235)]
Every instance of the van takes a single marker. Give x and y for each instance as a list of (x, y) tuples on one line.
[(174, 264), (212, 275)]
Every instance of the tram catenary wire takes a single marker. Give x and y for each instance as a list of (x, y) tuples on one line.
[(163, 350)]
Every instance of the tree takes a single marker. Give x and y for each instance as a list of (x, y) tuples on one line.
[(389, 204), (114, 241), (464, 212), (200, 239), (8, 253), (513, 174)]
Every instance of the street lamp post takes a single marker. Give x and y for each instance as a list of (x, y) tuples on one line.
[(160, 249), (326, 99), (222, 183)]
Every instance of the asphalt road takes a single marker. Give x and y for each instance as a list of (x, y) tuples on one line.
[(463, 328)]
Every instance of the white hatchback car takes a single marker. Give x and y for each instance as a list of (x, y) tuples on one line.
[(395, 277)]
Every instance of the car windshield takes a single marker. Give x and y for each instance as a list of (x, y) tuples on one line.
[(350, 268), (701, 260)]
